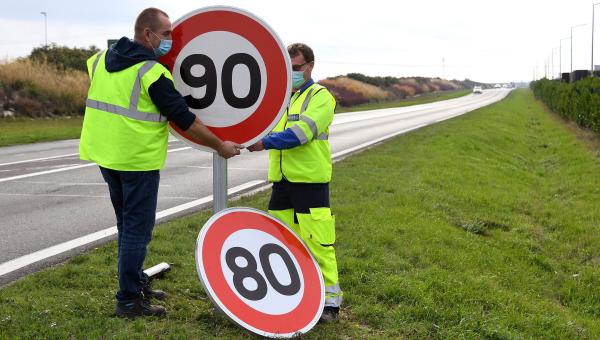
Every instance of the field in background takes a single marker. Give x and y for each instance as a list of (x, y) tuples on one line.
[(45, 101), (357, 89), (482, 226)]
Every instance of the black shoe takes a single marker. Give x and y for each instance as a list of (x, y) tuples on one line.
[(138, 307), (150, 293), (329, 314)]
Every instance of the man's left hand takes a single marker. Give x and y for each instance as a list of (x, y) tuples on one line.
[(258, 146)]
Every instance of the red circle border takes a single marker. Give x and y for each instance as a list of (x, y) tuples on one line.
[(253, 31), (211, 246)]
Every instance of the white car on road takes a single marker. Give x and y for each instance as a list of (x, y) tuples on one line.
[(477, 90)]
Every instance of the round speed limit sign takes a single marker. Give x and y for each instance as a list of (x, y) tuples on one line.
[(233, 71), (259, 273)]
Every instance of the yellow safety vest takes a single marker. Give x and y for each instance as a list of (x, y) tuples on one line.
[(309, 116), (122, 128)]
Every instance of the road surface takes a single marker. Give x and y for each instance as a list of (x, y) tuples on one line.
[(54, 205)]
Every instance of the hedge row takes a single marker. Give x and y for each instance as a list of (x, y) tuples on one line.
[(578, 101)]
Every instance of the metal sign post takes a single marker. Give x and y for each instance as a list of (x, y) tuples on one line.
[(219, 183)]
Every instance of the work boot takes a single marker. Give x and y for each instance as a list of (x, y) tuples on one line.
[(329, 314), (138, 307), (150, 293)]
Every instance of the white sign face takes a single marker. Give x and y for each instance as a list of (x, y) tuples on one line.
[(265, 269), (222, 76)]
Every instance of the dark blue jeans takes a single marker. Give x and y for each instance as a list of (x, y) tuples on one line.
[(133, 195)]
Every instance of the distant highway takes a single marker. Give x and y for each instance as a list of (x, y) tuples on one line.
[(54, 205)]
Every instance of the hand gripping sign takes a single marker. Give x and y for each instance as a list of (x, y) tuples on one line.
[(233, 71), (259, 273)]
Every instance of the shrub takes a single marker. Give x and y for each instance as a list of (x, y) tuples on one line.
[(63, 57), (579, 101)]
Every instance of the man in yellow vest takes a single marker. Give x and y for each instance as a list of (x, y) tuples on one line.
[(300, 169), (130, 99)]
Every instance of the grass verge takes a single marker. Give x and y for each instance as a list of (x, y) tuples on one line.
[(24, 131), (483, 226), (422, 99)]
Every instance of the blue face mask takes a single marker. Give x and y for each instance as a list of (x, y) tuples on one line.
[(164, 47), (297, 79)]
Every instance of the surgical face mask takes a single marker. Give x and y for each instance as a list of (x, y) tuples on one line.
[(164, 47), (297, 79)]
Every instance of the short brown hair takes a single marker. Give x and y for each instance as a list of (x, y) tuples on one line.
[(300, 48), (148, 18)]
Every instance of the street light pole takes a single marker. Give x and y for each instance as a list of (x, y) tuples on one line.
[(572, 44), (45, 27), (593, 9), (560, 56)]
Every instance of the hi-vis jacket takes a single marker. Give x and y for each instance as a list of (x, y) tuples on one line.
[(122, 128), (308, 116)]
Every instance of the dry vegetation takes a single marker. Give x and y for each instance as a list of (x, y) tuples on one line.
[(350, 92), (31, 89)]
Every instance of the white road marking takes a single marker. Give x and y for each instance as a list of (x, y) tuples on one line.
[(6, 179), (90, 196), (75, 184), (40, 159), (40, 255)]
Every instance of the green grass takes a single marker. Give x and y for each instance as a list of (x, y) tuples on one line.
[(482, 226), (423, 99), (24, 131)]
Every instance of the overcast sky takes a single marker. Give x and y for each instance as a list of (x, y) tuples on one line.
[(487, 41)]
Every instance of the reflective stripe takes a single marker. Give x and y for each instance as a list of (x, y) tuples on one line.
[(333, 296), (137, 115), (137, 88), (96, 63), (333, 289), (134, 99), (293, 118), (322, 136), (300, 134), (311, 123), (306, 100)]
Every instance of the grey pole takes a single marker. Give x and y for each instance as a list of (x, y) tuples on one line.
[(552, 69), (45, 27), (572, 44), (593, 9), (560, 56), (219, 183)]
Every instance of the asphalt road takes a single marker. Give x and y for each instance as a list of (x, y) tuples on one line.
[(50, 201)]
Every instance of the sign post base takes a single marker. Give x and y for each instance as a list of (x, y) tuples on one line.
[(219, 183)]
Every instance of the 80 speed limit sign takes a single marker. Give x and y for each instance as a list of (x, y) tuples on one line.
[(233, 71), (259, 273)]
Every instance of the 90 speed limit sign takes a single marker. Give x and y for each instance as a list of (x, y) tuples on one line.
[(259, 273), (233, 71)]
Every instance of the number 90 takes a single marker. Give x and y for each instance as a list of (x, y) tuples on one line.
[(209, 79)]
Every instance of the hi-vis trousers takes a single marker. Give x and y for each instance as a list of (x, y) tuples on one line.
[(304, 207)]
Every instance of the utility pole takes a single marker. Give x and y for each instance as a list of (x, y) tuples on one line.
[(593, 8), (45, 27), (443, 68), (572, 44), (560, 55)]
